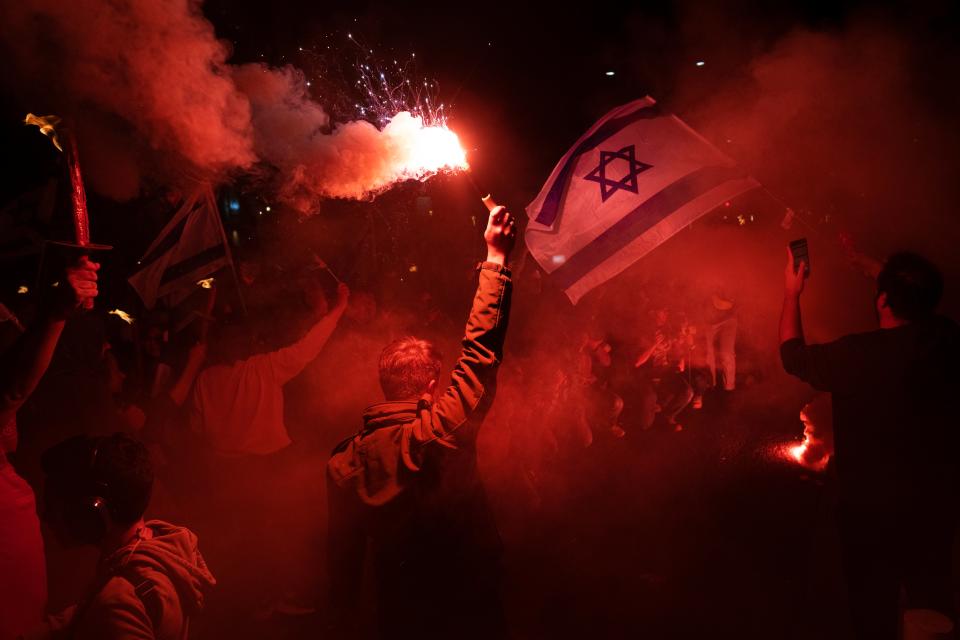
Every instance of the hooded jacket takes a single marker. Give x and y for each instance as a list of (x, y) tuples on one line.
[(148, 589), (408, 480)]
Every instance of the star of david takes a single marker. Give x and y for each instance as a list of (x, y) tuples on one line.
[(609, 186)]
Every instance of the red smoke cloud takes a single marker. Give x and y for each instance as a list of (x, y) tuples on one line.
[(150, 92), (151, 68)]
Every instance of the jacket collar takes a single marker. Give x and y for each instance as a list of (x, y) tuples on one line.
[(392, 414), (388, 414)]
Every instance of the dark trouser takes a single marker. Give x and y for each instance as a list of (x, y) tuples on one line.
[(883, 551)]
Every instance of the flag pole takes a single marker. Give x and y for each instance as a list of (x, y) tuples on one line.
[(226, 246)]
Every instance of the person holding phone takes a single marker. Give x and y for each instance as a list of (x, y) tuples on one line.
[(895, 436)]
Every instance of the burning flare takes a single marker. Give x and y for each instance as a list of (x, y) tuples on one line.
[(429, 150), (206, 283), (817, 447)]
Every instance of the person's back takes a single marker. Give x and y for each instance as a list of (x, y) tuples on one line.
[(894, 422), (408, 481), (897, 447), (237, 405)]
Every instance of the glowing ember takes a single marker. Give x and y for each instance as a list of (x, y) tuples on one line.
[(23, 290), (123, 315), (206, 283)]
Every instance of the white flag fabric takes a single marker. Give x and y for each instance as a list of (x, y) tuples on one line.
[(636, 178), (190, 247)]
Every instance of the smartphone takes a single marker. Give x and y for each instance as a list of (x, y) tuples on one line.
[(799, 250)]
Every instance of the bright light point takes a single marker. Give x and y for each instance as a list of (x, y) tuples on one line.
[(123, 315), (700, 63), (23, 289), (308, 83), (796, 452), (413, 268), (267, 208), (558, 259), (206, 283), (611, 73)]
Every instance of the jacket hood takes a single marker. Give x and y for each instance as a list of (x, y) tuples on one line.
[(389, 414), (170, 550)]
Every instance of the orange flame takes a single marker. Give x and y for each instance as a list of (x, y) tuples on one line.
[(47, 125), (123, 315)]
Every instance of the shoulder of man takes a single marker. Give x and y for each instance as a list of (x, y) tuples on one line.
[(344, 462), (123, 608)]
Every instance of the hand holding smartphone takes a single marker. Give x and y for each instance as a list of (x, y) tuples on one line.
[(800, 254)]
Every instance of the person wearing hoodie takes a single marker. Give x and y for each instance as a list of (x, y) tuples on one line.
[(408, 481), (151, 578)]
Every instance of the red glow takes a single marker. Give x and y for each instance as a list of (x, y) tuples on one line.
[(810, 454)]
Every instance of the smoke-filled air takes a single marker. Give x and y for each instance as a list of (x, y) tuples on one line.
[(479, 320)]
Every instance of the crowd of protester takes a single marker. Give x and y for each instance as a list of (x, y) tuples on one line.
[(185, 412)]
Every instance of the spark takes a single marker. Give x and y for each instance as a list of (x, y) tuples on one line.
[(206, 283), (23, 289)]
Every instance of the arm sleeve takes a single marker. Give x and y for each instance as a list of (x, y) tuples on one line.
[(288, 362), (473, 378), (825, 367)]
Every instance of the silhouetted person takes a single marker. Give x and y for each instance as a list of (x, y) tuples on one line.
[(151, 577), (666, 360), (237, 403), (408, 481), (23, 579), (896, 440)]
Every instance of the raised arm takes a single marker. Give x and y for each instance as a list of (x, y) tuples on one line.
[(645, 356), (473, 376), (826, 367), (29, 358), (790, 326), (289, 361)]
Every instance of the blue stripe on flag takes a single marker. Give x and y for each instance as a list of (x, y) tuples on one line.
[(551, 204), (640, 220)]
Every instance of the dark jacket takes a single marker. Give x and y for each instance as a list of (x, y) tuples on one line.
[(894, 416), (408, 481)]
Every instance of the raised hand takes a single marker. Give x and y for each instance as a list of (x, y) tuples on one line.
[(500, 235), (794, 279)]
